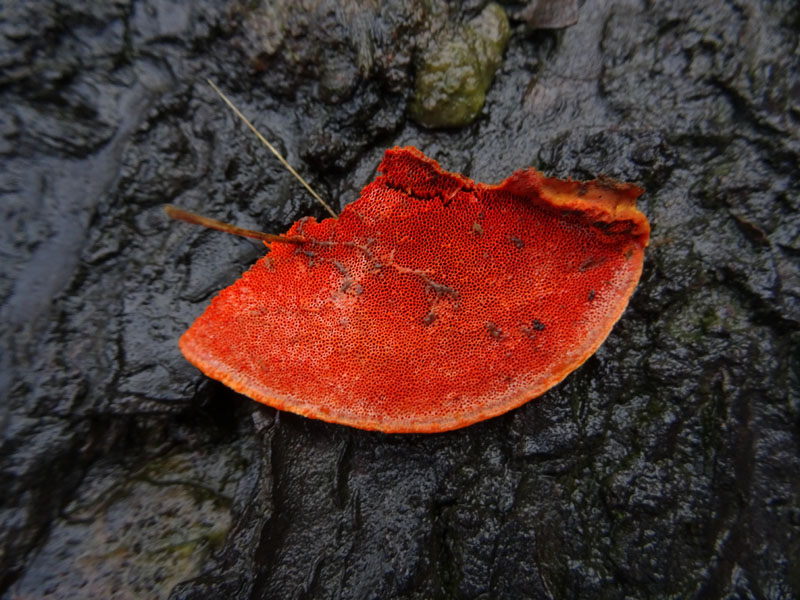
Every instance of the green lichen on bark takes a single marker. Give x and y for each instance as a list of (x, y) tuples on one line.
[(455, 73)]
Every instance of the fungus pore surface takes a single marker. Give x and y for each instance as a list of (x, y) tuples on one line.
[(432, 302)]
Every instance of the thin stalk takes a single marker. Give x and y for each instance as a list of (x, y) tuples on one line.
[(271, 148), (180, 214)]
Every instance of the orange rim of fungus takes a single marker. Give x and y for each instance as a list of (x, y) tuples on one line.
[(432, 302)]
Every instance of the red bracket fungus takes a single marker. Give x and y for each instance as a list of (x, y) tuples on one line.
[(432, 302)]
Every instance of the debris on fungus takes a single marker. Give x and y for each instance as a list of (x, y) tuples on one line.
[(430, 303), (455, 72)]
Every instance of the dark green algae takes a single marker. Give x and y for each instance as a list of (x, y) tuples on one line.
[(455, 72), (666, 466)]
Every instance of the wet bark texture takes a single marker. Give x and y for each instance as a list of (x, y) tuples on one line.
[(667, 466)]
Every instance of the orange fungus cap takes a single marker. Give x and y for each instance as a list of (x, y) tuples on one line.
[(432, 302)]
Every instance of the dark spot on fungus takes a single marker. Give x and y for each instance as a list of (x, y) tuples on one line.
[(517, 242), (494, 331), (439, 288), (591, 263), (591, 295), (538, 325), (310, 254), (340, 267)]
